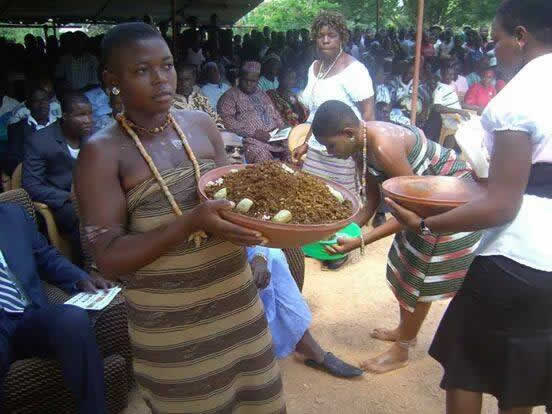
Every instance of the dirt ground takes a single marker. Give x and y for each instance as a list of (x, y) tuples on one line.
[(346, 306)]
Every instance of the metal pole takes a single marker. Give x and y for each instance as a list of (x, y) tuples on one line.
[(173, 7), (416, 81)]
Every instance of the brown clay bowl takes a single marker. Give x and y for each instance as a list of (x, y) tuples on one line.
[(283, 235), (431, 195)]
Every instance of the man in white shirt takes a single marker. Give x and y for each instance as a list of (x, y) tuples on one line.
[(214, 88)]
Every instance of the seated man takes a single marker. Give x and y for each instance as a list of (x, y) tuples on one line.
[(29, 326), (215, 87), (38, 117), (50, 155), (288, 314), (248, 112), (54, 109), (188, 95)]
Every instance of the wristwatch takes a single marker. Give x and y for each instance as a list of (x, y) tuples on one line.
[(424, 230)]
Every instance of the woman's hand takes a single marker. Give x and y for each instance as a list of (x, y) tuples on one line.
[(207, 218), (407, 218), (344, 245), (298, 153)]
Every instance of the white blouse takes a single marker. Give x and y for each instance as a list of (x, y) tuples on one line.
[(353, 84), (523, 106)]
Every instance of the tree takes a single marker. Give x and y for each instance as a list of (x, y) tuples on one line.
[(17, 34), (282, 15), (454, 13)]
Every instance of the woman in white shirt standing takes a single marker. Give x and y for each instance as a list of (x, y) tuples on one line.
[(496, 336), (335, 76)]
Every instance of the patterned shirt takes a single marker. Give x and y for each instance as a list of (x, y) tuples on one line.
[(197, 102), (245, 114)]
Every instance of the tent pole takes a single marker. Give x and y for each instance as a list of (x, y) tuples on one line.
[(416, 81), (173, 17)]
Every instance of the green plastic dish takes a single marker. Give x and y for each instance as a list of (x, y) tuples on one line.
[(316, 250)]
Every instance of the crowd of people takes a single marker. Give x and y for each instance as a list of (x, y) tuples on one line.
[(123, 125)]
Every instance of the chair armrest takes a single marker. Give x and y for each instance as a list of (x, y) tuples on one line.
[(54, 294), (53, 233), (296, 262)]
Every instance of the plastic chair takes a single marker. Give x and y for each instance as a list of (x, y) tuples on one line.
[(54, 235), (6, 182), (16, 177)]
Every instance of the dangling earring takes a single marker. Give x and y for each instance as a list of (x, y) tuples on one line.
[(115, 91)]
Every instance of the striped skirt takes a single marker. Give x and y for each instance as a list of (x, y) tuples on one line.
[(200, 339), (428, 268), (334, 169)]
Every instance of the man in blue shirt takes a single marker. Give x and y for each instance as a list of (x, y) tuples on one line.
[(30, 326)]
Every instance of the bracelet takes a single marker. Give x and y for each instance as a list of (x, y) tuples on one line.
[(361, 243)]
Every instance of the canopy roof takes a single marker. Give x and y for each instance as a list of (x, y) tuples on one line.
[(80, 11)]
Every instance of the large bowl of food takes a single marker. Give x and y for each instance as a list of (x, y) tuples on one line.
[(289, 207), (432, 195)]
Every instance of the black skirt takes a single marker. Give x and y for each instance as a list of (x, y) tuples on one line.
[(496, 335)]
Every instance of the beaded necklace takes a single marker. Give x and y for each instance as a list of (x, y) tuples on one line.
[(126, 124), (151, 130)]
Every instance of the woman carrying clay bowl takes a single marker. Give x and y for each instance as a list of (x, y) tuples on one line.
[(423, 267), (496, 335)]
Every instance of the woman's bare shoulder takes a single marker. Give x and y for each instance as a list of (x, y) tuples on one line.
[(105, 143)]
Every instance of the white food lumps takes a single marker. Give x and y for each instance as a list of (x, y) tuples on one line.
[(336, 194), (283, 216), (221, 194), (244, 205), (288, 169)]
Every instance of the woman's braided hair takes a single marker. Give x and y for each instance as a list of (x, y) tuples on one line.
[(334, 20)]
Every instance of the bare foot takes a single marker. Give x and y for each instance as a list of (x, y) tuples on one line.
[(389, 335), (395, 358)]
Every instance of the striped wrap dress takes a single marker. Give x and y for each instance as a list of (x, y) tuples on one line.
[(426, 268), (197, 327)]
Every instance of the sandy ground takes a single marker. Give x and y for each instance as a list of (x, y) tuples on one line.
[(346, 306)]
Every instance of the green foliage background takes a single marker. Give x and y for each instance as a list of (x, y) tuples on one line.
[(294, 14)]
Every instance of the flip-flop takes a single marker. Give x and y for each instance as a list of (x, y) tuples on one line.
[(335, 366)]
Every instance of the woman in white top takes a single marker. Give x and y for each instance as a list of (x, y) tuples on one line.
[(496, 336), (335, 76)]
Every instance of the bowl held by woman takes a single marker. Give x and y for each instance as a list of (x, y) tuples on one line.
[(283, 235)]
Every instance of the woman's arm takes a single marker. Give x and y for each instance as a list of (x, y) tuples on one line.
[(508, 176), (366, 108), (103, 213)]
